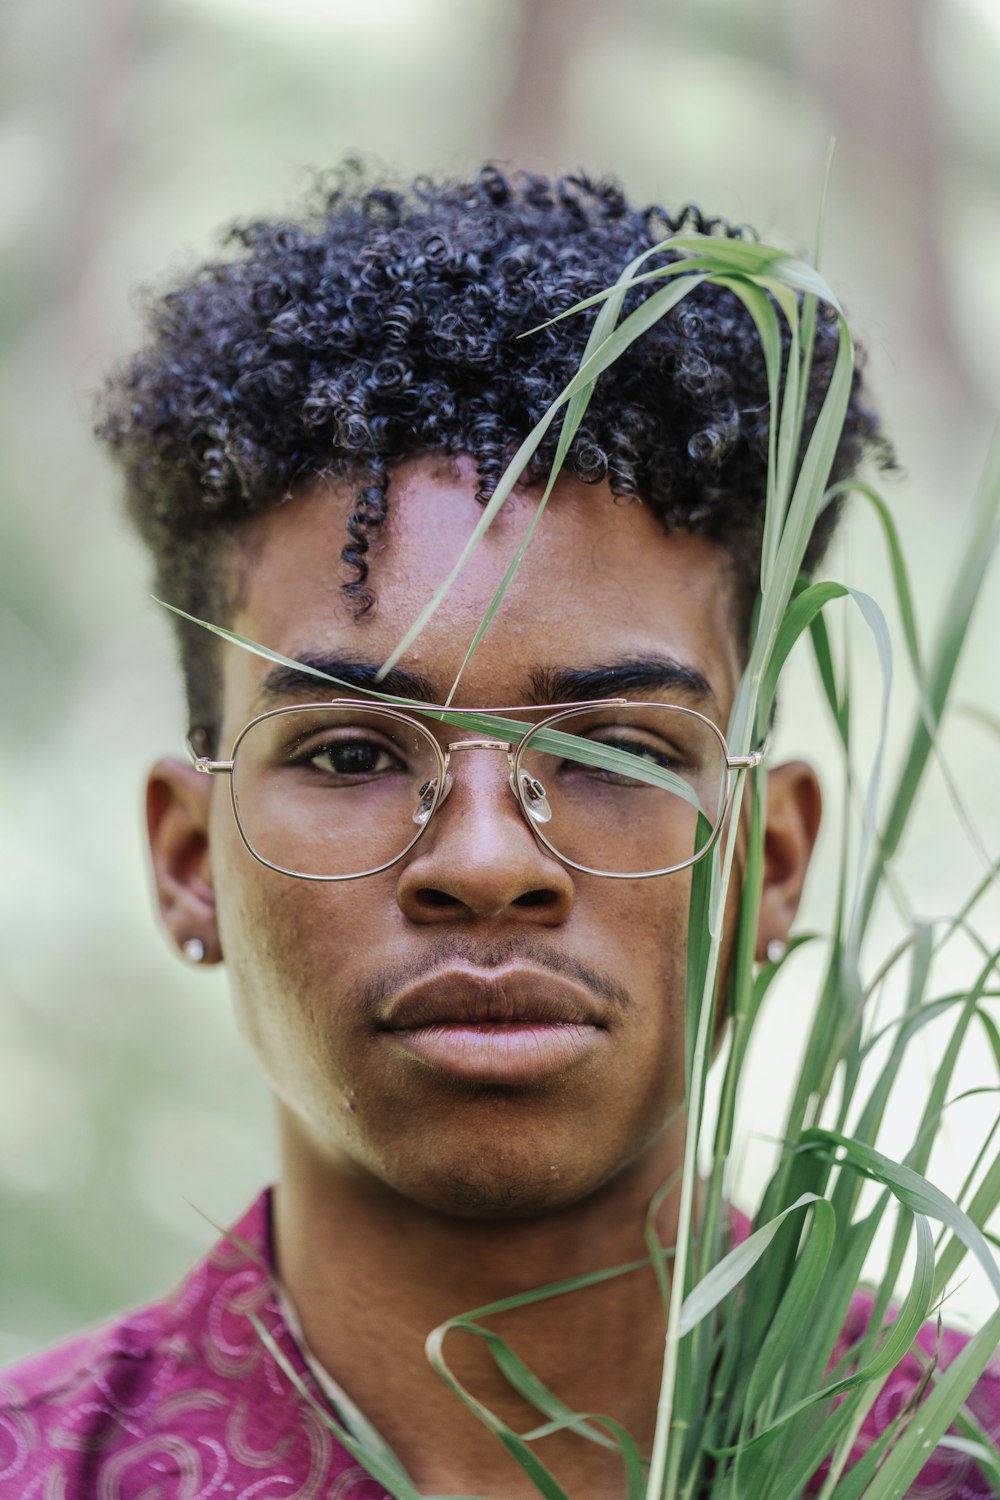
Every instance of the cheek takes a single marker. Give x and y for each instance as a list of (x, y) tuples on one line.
[(653, 926), (646, 925), (289, 949), (290, 965)]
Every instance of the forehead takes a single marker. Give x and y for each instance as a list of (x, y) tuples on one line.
[(600, 582)]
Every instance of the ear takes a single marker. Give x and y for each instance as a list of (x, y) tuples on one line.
[(794, 809), (177, 805)]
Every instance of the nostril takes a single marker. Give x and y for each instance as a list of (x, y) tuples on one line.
[(536, 898), (430, 896)]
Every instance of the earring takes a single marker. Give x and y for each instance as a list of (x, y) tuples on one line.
[(776, 951), (194, 950)]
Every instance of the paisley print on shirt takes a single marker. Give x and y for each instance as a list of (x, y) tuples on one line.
[(182, 1400)]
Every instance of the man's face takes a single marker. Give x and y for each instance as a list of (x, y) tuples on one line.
[(478, 908)]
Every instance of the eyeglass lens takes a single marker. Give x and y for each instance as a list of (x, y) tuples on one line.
[(633, 822), (336, 792)]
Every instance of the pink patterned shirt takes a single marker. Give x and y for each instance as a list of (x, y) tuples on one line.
[(182, 1401)]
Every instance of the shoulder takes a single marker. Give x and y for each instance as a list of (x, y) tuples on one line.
[(131, 1340), (179, 1398), (89, 1396)]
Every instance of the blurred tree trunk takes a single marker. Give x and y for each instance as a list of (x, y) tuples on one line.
[(78, 109), (867, 60), (529, 130)]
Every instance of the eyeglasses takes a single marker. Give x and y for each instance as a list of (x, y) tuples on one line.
[(340, 790)]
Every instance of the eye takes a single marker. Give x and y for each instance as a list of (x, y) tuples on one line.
[(633, 742), (639, 746), (350, 756)]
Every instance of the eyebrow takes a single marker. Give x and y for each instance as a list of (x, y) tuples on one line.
[(630, 674), (615, 679), (307, 680)]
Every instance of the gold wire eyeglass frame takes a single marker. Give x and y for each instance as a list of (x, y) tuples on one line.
[(520, 783)]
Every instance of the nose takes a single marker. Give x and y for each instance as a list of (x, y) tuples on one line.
[(478, 857)]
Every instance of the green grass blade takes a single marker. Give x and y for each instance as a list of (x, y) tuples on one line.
[(797, 617), (914, 1191), (576, 409), (699, 945), (932, 1419), (378, 1458), (658, 1253), (976, 1443), (983, 1204), (534, 1391), (981, 545), (875, 620), (752, 258), (902, 1331), (761, 310), (732, 1269), (721, 259), (772, 267), (900, 572), (836, 699), (631, 328), (553, 741), (805, 1284)]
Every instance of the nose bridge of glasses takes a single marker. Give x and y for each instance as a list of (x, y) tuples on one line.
[(528, 792), (478, 745), (531, 798)]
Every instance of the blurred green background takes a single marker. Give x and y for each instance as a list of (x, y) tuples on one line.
[(129, 134)]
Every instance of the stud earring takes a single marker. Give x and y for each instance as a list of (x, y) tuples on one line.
[(776, 951), (194, 950)]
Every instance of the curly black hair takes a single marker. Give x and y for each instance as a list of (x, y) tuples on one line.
[(386, 322)]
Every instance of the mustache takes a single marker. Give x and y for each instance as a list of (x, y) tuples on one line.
[(372, 996)]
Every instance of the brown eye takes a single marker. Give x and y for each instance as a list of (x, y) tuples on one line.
[(640, 750), (349, 758)]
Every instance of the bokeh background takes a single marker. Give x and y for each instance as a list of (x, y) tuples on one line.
[(129, 133)]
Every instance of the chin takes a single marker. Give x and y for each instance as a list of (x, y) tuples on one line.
[(481, 1195), (502, 1173), (495, 1189)]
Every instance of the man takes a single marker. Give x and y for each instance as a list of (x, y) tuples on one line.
[(474, 1036)]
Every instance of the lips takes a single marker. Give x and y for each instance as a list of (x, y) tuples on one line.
[(512, 1026)]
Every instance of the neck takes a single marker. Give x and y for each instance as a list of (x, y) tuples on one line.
[(372, 1273)]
